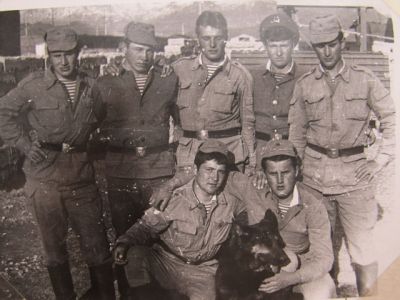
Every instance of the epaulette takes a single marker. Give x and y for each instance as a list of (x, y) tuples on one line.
[(31, 76), (182, 59), (306, 74), (362, 69)]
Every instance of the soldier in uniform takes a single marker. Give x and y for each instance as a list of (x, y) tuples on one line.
[(139, 103), (329, 115), (49, 117), (274, 83), (215, 97)]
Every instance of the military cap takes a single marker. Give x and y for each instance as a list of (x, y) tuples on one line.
[(141, 33), (61, 38), (214, 146), (279, 20), (278, 147), (324, 29)]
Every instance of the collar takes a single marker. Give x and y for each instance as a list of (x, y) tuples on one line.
[(198, 62), (296, 198), (194, 201), (290, 71), (51, 79), (344, 72)]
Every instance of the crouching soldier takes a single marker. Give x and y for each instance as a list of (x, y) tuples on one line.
[(60, 114), (190, 231)]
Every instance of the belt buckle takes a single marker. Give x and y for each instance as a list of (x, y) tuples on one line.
[(202, 134), (66, 148), (140, 151), (333, 153)]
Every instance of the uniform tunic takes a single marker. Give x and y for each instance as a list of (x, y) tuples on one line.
[(224, 101), (61, 188)]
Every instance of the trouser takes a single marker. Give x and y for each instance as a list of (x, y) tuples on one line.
[(54, 207), (357, 212), (318, 289), (128, 199), (147, 264)]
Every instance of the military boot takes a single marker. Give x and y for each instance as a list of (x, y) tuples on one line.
[(61, 280), (366, 278)]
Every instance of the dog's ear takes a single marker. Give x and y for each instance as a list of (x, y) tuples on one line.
[(270, 218), (239, 230)]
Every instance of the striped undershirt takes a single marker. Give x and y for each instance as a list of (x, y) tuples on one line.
[(211, 68), (283, 208), (208, 205), (70, 85), (279, 77), (141, 81)]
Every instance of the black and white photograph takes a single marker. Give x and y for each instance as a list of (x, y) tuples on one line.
[(199, 150)]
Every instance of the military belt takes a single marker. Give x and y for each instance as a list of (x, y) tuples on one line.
[(187, 261), (266, 136), (140, 151), (335, 152), (215, 134), (63, 147)]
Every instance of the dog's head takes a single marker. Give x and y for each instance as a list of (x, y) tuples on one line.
[(260, 246)]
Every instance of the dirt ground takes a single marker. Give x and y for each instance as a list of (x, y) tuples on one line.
[(21, 260)]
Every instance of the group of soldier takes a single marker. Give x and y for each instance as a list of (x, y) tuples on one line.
[(235, 130)]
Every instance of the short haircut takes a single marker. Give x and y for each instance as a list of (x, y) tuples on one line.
[(277, 34), (214, 19), (296, 162), (202, 157)]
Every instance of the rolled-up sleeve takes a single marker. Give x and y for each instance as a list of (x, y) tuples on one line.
[(11, 106)]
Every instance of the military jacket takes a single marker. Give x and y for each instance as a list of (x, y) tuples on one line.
[(183, 226), (136, 120), (271, 103), (339, 119), (38, 109), (224, 101)]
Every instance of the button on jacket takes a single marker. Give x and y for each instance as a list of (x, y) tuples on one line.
[(271, 102), (38, 109), (305, 227), (338, 118), (135, 120), (183, 226), (224, 101)]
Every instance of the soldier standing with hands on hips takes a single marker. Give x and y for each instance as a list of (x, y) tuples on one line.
[(329, 115), (60, 116), (139, 103)]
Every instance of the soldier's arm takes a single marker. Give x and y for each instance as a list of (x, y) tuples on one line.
[(298, 121), (247, 117), (318, 260), (12, 106)]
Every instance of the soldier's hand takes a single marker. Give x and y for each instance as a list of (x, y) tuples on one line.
[(114, 68), (120, 254), (249, 170), (278, 282), (160, 197), (368, 170), (259, 180), (35, 153), (166, 70)]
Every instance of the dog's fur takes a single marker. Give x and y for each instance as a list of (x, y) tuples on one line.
[(251, 254)]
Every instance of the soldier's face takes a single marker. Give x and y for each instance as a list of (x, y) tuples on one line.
[(281, 177), (212, 43), (329, 54), (210, 176), (139, 57), (279, 52), (64, 63)]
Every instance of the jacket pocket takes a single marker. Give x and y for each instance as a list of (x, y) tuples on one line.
[(48, 113), (316, 106), (224, 96), (183, 100), (184, 233), (356, 105)]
